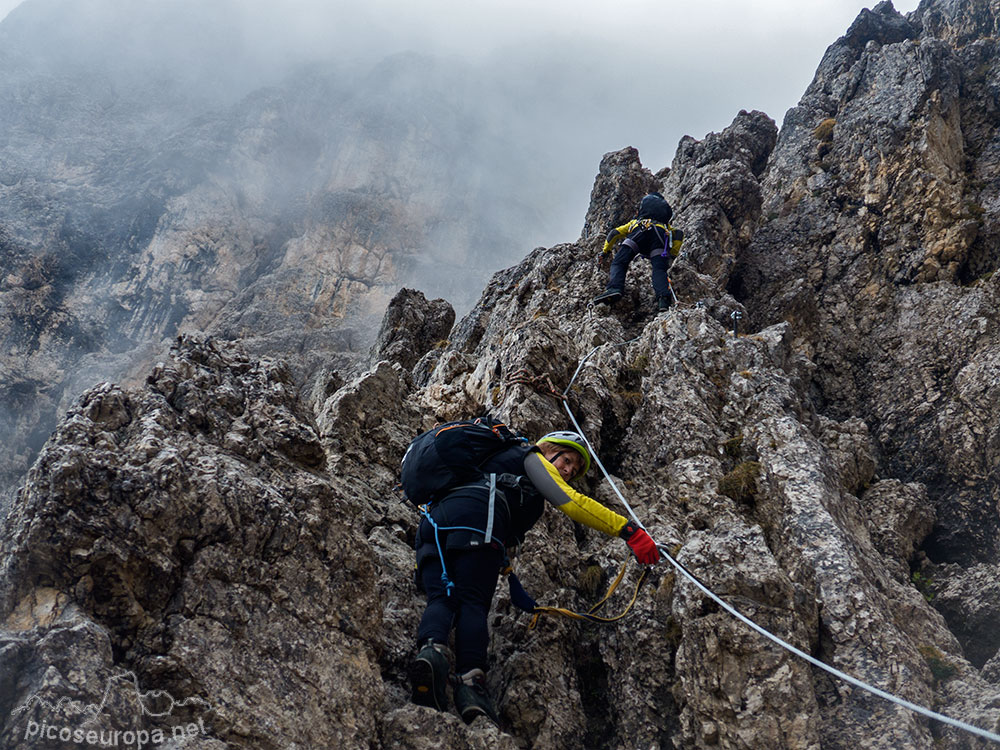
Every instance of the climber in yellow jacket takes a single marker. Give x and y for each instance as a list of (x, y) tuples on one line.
[(651, 235), (462, 543)]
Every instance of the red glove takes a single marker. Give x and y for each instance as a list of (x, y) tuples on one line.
[(642, 544)]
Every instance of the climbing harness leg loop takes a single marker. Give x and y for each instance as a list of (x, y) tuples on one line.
[(425, 511)]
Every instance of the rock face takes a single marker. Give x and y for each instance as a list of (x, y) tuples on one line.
[(888, 166), (225, 538), (206, 511), (411, 328)]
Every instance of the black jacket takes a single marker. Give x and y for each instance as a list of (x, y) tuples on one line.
[(463, 515)]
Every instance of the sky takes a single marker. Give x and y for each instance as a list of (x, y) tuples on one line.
[(712, 57), (707, 58)]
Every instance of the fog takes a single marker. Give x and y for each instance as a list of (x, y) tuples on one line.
[(595, 79), (525, 98)]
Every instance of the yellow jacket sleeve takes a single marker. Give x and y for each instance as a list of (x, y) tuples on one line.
[(617, 234), (576, 505)]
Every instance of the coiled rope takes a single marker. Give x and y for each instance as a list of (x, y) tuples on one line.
[(738, 615), (591, 614)]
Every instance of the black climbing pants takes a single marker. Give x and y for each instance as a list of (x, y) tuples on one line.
[(625, 255), (474, 573)]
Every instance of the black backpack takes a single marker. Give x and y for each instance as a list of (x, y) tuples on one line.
[(654, 206), (450, 455)]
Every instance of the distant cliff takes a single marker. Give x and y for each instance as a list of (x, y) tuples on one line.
[(832, 471), (144, 196)]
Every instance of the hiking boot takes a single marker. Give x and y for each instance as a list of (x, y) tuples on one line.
[(609, 296), (664, 303), (429, 676), (472, 699)]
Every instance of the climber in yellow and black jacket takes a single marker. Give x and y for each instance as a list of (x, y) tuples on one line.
[(651, 235), (451, 536)]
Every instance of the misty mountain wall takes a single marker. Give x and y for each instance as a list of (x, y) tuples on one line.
[(176, 169)]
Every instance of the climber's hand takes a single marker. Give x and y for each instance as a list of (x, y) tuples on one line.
[(641, 543)]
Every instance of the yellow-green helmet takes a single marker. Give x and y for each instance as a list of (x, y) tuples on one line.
[(571, 440)]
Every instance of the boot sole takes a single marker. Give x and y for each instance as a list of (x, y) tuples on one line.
[(425, 690), (472, 713)]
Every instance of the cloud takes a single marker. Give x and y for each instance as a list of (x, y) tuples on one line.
[(708, 59), (690, 66), (594, 79)]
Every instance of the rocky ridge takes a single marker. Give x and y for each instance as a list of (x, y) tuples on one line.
[(225, 535), (888, 166)]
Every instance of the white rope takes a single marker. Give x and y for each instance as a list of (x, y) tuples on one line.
[(579, 429), (816, 662), (746, 620)]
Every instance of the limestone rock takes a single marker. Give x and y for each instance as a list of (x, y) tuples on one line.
[(411, 328), (900, 517), (876, 242), (619, 186), (183, 527), (829, 470), (719, 223), (969, 599)]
